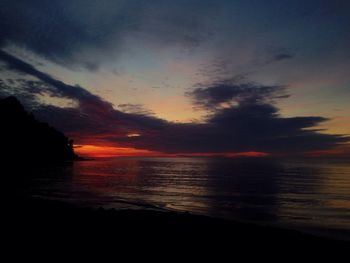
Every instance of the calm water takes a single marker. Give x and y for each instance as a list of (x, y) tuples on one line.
[(295, 193)]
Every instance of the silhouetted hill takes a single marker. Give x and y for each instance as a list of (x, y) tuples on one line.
[(22, 137)]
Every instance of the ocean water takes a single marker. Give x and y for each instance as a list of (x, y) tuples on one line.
[(302, 194)]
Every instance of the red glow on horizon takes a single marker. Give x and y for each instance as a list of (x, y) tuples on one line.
[(337, 152), (111, 151), (248, 154)]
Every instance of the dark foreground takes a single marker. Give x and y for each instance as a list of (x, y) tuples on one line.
[(38, 223)]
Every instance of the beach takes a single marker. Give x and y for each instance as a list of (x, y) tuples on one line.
[(53, 219)]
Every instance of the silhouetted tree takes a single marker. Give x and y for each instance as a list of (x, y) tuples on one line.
[(23, 137)]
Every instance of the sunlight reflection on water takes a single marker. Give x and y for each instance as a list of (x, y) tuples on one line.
[(309, 193)]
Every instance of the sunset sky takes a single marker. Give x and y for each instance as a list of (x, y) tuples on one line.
[(233, 78)]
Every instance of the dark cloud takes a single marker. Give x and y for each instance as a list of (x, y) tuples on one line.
[(55, 86), (253, 124), (273, 53), (93, 114), (270, 55), (226, 69), (244, 128), (86, 32), (60, 30), (231, 93), (282, 56), (82, 33)]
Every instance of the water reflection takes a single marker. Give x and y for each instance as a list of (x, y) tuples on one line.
[(168, 183), (291, 192), (316, 193), (244, 189)]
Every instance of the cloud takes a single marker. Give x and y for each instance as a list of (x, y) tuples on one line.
[(282, 56), (227, 93), (272, 54), (227, 68), (253, 123), (85, 33), (93, 115), (135, 108), (65, 31), (247, 127), (57, 87)]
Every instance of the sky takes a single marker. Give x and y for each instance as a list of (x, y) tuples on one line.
[(201, 78)]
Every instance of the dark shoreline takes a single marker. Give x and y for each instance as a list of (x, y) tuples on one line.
[(36, 217)]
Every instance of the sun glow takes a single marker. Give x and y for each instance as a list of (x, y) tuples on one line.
[(130, 135), (112, 151)]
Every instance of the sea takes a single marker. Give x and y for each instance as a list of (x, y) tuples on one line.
[(310, 195)]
